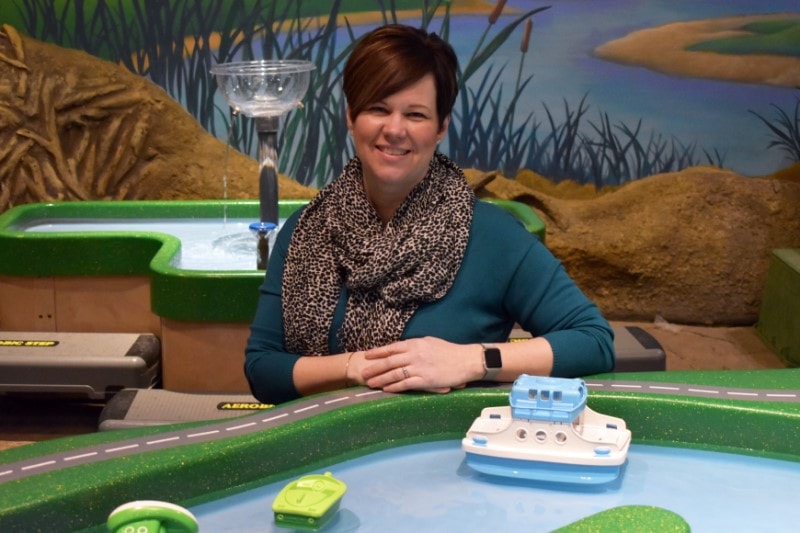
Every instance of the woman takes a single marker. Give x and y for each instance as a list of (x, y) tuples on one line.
[(396, 273)]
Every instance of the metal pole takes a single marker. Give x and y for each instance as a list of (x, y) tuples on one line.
[(267, 128)]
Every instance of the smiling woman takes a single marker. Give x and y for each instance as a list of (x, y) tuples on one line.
[(384, 271)]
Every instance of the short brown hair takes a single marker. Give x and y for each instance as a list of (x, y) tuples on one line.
[(393, 57)]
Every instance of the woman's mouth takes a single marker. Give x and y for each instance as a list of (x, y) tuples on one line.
[(390, 150)]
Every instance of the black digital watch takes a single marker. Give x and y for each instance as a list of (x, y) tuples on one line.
[(492, 361)]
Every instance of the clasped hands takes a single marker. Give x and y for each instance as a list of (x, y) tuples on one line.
[(428, 364)]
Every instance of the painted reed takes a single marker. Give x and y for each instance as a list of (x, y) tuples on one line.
[(784, 130)]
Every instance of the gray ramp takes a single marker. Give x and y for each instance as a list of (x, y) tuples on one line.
[(140, 408)]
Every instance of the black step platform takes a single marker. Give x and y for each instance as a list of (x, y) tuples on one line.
[(94, 365), (637, 351)]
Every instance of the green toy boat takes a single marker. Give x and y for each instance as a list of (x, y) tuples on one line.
[(308, 503), (151, 516)]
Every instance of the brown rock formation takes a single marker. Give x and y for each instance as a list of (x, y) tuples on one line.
[(89, 129), (692, 247)]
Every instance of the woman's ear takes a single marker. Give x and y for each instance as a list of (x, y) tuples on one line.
[(443, 129), (349, 120)]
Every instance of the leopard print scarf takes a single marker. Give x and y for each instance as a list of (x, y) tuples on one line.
[(389, 271)]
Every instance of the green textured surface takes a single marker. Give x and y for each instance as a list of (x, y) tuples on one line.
[(524, 214), (630, 518), (190, 295), (81, 496), (773, 378), (779, 317)]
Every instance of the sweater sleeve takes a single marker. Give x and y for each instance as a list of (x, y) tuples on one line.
[(539, 295), (546, 302), (268, 367)]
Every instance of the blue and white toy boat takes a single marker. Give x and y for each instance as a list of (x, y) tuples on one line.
[(548, 433)]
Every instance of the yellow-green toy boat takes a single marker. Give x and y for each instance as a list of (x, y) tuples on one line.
[(308, 503)]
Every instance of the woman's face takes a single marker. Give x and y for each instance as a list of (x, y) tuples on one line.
[(395, 139)]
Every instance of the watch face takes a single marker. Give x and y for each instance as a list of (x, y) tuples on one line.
[(491, 357)]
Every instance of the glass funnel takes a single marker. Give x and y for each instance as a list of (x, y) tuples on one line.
[(263, 88)]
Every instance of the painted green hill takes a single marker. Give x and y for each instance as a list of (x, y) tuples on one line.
[(770, 37)]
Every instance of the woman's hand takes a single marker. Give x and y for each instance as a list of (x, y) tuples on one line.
[(427, 363)]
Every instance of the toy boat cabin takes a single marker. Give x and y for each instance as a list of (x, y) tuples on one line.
[(548, 433)]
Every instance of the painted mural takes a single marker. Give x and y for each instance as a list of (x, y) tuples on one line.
[(597, 91)]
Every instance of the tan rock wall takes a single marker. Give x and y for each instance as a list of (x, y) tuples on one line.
[(89, 129), (692, 246)]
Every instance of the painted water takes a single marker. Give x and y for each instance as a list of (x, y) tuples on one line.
[(429, 487), (712, 114)]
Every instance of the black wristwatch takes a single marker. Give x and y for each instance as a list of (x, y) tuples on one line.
[(492, 361)]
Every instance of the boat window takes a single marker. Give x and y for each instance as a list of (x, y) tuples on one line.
[(611, 426), (522, 434), (557, 396), (495, 415), (561, 437), (541, 436), (545, 394), (532, 394)]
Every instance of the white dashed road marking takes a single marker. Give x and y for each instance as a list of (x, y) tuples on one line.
[(342, 398)]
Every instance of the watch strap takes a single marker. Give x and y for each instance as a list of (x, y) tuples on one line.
[(492, 361)]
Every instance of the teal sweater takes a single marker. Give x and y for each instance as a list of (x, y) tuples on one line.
[(507, 277)]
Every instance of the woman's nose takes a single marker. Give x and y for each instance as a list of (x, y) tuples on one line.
[(395, 125)]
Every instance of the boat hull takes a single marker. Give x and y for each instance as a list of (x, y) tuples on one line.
[(543, 470)]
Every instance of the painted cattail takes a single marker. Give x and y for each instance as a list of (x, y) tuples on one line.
[(526, 38), (497, 11)]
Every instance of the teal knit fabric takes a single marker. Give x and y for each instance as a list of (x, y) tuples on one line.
[(507, 277)]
